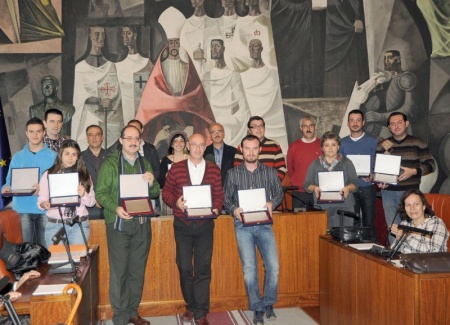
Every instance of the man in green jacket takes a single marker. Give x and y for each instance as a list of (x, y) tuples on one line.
[(128, 237)]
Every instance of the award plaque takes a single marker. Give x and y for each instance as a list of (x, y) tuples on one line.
[(199, 202), (134, 195), (63, 189), (22, 181)]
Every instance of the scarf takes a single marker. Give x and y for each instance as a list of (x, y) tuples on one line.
[(333, 164)]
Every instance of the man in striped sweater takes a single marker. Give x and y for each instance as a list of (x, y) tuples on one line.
[(271, 154), (194, 238), (416, 162)]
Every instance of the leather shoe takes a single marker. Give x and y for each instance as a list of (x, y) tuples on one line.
[(202, 321), (187, 316), (138, 320)]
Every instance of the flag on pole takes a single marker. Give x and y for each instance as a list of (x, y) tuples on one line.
[(5, 153)]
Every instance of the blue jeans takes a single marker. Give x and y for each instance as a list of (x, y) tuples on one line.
[(248, 238), (365, 202), (33, 228), (73, 233), (391, 203)]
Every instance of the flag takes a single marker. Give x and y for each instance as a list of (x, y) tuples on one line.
[(5, 153)]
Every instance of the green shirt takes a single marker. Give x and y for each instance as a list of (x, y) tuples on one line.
[(107, 191)]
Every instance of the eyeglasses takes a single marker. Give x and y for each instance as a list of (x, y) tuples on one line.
[(259, 127), (135, 139), (197, 145)]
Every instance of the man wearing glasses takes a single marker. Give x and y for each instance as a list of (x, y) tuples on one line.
[(194, 238), (299, 156), (128, 237), (271, 154), (218, 151)]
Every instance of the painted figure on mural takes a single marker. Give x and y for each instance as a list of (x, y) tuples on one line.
[(132, 73), (50, 88), (227, 25), (226, 95), (254, 25), (262, 90), (397, 94), (345, 47), (174, 89), (96, 92), (194, 35)]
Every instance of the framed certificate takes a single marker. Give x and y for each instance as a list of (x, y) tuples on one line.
[(252, 202), (63, 189), (133, 193), (387, 168), (331, 184), (22, 181), (361, 163), (199, 202)]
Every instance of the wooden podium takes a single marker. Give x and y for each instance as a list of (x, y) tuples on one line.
[(359, 288), (52, 309)]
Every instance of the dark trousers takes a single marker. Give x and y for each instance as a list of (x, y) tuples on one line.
[(128, 252), (365, 202), (194, 244)]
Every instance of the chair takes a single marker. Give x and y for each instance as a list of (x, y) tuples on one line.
[(11, 227), (440, 203)]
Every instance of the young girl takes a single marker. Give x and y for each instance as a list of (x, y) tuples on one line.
[(68, 161)]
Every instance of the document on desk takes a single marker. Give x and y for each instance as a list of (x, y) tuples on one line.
[(362, 246), (62, 257), (50, 289)]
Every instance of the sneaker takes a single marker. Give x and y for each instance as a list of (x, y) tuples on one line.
[(258, 317), (270, 314)]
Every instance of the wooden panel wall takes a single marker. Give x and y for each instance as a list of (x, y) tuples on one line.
[(297, 238)]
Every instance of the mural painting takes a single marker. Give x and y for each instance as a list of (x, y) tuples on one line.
[(181, 65)]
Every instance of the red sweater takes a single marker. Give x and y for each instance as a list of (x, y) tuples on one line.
[(178, 177), (299, 157)]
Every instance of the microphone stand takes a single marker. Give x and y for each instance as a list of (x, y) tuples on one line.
[(398, 244), (58, 268), (77, 221), (10, 309)]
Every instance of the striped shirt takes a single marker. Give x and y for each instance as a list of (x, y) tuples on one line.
[(415, 154), (240, 178), (419, 243), (178, 176), (270, 155)]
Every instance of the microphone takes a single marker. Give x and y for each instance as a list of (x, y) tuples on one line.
[(348, 214), (58, 236), (5, 285), (74, 221), (413, 229)]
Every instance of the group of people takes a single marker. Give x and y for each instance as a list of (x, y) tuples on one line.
[(258, 162)]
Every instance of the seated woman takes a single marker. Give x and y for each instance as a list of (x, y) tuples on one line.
[(330, 161), (416, 212)]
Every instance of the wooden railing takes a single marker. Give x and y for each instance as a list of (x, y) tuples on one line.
[(297, 236)]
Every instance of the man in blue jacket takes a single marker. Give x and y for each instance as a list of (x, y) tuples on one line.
[(34, 154)]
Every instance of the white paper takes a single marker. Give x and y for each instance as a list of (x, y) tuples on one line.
[(362, 246), (331, 181), (24, 178), (361, 163), (133, 185), (252, 199), (63, 184), (50, 289), (387, 164), (197, 196)]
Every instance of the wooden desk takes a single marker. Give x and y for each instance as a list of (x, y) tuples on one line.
[(359, 288), (298, 249), (53, 309)]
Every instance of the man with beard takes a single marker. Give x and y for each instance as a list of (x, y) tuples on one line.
[(360, 143), (253, 174), (226, 95), (299, 156), (218, 151), (397, 94), (50, 87)]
